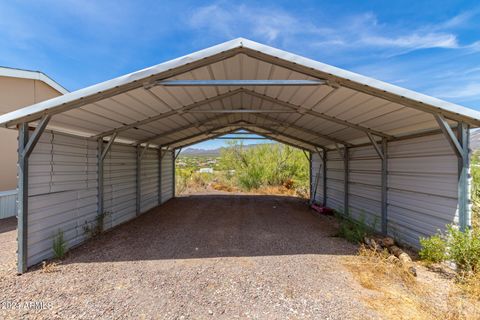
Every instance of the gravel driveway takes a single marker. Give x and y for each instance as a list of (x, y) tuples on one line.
[(260, 257)]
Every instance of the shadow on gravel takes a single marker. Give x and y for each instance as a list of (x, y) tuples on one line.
[(218, 226), (8, 224)]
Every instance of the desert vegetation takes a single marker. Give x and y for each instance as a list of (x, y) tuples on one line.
[(264, 168)]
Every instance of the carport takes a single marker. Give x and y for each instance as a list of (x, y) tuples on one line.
[(396, 158)]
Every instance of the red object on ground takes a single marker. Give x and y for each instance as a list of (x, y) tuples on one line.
[(322, 210)]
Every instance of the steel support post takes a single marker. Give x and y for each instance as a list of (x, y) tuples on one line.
[(160, 175), (346, 184), (459, 143), (384, 198), (310, 175), (324, 159), (26, 144), (173, 173), (139, 180), (22, 209), (464, 213), (100, 179)]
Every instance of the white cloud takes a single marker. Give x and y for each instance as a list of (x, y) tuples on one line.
[(459, 92), (268, 24), (275, 26), (414, 41)]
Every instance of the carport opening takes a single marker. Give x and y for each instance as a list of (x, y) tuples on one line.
[(242, 162)]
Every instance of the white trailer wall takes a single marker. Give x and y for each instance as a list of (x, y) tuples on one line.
[(62, 192)]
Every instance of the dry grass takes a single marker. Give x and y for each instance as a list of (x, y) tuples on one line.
[(399, 295), (49, 267), (470, 285)]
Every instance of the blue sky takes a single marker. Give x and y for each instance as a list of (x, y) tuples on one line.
[(429, 46)]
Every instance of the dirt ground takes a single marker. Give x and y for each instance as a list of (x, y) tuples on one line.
[(8, 244), (196, 257)]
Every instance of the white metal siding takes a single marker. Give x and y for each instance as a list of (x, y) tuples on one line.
[(120, 182), (167, 176), (422, 187), (335, 181), (62, 192), (8, 204), (364, 192), (317, 177), (149, 180)]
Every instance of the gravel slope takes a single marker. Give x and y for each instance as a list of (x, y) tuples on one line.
[(258, 257)]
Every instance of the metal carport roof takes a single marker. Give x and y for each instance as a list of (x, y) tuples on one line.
[(298, 101)]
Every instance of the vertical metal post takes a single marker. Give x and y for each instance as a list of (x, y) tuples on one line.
[(463, 177), (346, 186), (310, 176), (159, 175), (100, 176), (173, 174), (22, 213), (324, 176), (384, 186), (139, 179)]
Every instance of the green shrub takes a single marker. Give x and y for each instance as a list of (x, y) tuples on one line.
[(475, 191), (460, 247), (433, 249), (266, 165), (59, 245), (464, 248), (353, 231)]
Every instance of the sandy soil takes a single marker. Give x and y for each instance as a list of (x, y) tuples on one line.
[(8, 245), (260, 257)]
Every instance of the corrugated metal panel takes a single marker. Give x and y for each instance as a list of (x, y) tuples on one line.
[(364, 190), (317, 177), (149, 180), (422, 187), (8, 204), (335, 181), (167, 176), (120, 182), (62, 192)]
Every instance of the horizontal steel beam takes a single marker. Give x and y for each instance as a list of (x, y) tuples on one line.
[(242, 111), (241, 138), (241, 83)]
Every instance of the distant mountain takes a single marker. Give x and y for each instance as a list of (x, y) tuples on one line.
[(208, 152), (200, 152)]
